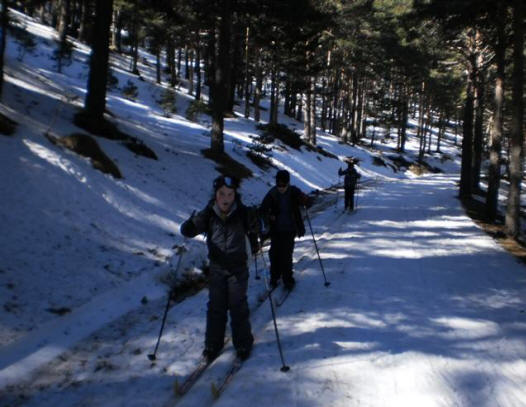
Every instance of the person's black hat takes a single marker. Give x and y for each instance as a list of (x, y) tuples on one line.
[(223, 180), (282, 177)]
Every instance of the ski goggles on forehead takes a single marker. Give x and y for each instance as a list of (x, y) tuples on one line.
[(225, 181)]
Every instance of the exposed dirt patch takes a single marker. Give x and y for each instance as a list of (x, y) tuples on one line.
[(476, 210)]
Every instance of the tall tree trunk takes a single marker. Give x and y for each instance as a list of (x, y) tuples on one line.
[(259, 85), (220, 80), (135, 39), (288, 96), (299, 104), (197, 68), (420, 131), (98, 75), (273, 119), (354, 108), (63, 20), (118, 32), (4, 21), (337, 102), (363, 127), (84, 18), (63, 25), (422, 125), (324, 104), (55, 8), (114, 34), (158, 65), (359, 110), (179, 58), (293, 99), (466, 170), (234, 62), (248, 79), (427, 129), (344, 124), (441, 129), (495, 144), (513, 208), (41, 14), (308, 112), (186, 63), (478, 137), (190, 68), (405, 118), (466, 175), (170, 56), (312, 118)]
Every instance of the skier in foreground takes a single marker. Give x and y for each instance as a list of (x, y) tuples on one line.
[(349, 182), (227, 224), (280, 210)]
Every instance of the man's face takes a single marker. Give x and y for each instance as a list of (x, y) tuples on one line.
[(225, 197), (282, 186)]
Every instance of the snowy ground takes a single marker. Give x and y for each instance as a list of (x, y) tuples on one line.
[(423, 308)]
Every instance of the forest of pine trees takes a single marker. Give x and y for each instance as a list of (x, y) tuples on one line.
[(333, 64)]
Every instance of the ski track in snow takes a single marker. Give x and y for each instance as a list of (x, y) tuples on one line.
[(402, 323)]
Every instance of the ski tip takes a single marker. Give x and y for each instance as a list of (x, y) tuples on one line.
[(215, 391)]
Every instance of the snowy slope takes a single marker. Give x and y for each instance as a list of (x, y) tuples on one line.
[(423, 308)]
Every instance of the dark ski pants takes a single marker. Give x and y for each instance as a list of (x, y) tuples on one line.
[(349, 197), (281, 249), (228, 292)]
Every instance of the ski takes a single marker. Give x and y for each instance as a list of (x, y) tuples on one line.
[(182, 388), (284, 295), (264, 295), (218, 389)]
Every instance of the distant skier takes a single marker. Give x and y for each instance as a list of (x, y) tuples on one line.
[(280, 210), (349, 181), (227, 224)]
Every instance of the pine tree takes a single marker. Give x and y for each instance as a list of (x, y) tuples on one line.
[(496, 135), (517, 138), (95, 103)]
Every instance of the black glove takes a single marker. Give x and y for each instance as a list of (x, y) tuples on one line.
[(188, 228)]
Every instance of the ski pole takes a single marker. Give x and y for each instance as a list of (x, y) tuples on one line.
[(256, 266), (152, 356), (357, 195), (284, 367), (338, 189), (316, 246)]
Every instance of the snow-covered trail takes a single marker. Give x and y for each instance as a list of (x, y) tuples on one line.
[(424, 309)]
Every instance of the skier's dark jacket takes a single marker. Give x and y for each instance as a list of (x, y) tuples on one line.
[(226, 237), (351, 176), (270, 208)]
